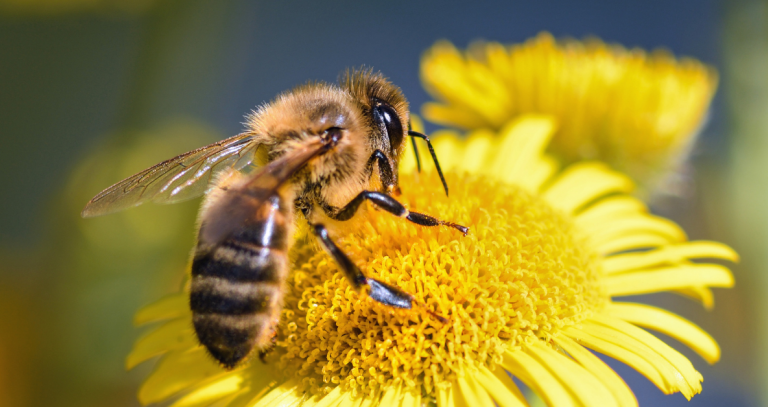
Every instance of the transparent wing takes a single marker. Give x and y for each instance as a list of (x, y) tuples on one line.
[(183, 177)]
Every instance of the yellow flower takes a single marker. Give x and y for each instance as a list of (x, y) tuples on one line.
[(637, 112), (526, 294)]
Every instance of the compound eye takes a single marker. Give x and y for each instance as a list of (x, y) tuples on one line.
[(388, 121)]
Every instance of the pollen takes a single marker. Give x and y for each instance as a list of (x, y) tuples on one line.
[(522, 274)]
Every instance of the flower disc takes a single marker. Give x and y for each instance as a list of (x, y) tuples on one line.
[(522, 273)]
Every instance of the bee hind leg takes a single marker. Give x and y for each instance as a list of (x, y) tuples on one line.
[(264, 352)]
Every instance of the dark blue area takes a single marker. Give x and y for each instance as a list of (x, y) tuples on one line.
[(289, 43), (69, 81)]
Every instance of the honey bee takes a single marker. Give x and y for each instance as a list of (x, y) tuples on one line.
[(320, 150)]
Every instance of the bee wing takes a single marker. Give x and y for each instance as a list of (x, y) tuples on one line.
[(183, 177), (230, 212)]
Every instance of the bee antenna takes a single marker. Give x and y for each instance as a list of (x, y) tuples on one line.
[(434, 157), (415, 149)]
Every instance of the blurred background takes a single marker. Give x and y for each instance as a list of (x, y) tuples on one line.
[(92, 91)]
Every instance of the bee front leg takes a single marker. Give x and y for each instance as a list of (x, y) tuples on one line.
[(378, 291), (386, 175)]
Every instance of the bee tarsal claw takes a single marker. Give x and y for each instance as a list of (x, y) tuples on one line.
[(389, 295)]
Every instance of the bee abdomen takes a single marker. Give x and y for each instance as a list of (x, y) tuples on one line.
[(230, 338), (235, 298), (212, 295), (241, 262)]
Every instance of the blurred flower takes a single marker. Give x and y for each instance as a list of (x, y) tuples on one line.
[(526, 294), (638, 112)]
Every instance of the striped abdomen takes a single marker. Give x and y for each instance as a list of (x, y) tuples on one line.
[(237, 283)]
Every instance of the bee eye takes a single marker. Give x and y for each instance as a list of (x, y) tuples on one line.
[(389, 123)]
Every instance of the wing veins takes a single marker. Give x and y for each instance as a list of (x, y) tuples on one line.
[(132, 191)]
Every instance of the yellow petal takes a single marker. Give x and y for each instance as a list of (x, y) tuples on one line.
[(501, 388), (231, 400), (669, 255), (638, 357), (633, 225), (600, 370), (495, 105), (476, 150), (699, 293), (541, 171), (172, 306), (258, 386), (668, 278), (678, 361), (416, 123), (329, 400), (537, 377), (522, 144), (173, 335), (391, 396), (608, 210), (411, 398), (447, 76), (205, 395), (445, 397), (371, 401), (636, 241), (472, 393), (582, 183), (286, 394), (448, 115), (177, 371), (498, 59), (677, 370), (669, 324), (448, 149), (287, 400), (587, 390)]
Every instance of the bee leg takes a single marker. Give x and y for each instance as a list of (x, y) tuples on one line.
[(394, 207), (263, 353), (378, 291), (385, 171)]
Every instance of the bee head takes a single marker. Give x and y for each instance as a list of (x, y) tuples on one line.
[(383, 105)]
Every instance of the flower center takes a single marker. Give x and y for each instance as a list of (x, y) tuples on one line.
[(521, 274)]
